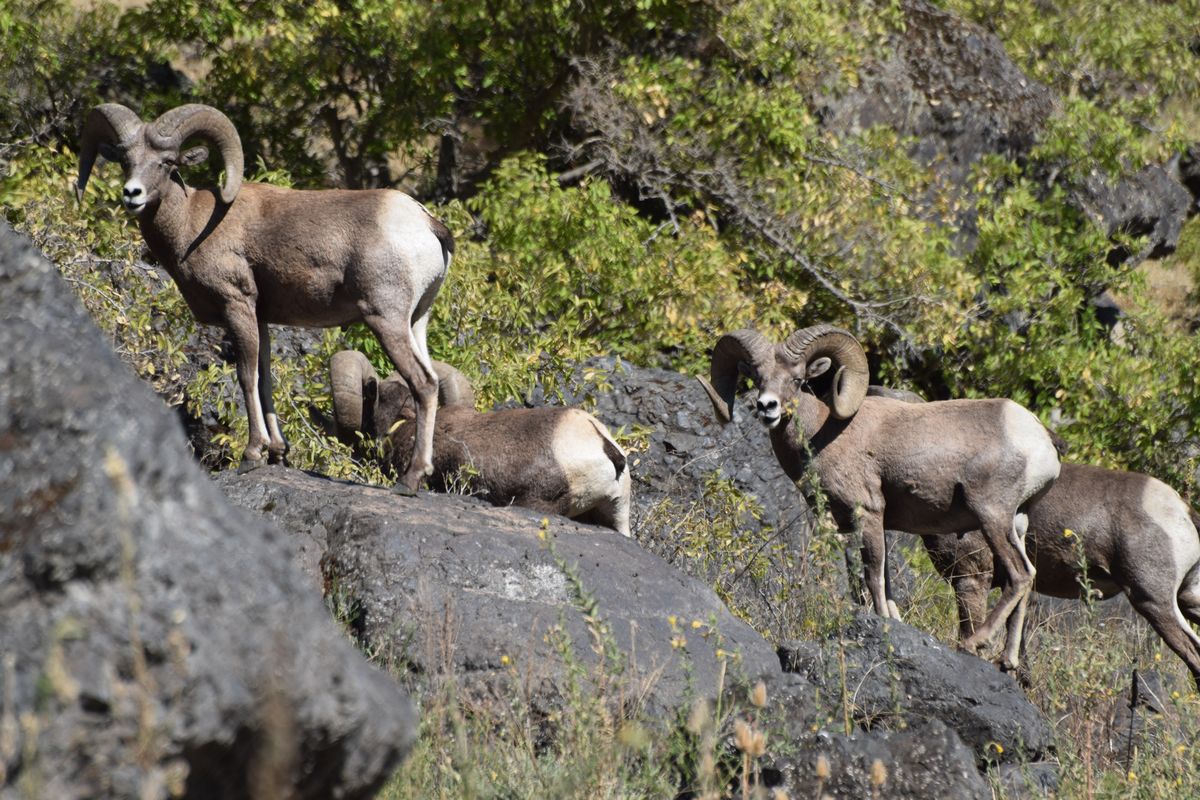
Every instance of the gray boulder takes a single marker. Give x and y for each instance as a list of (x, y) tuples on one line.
[(894, 674), (926, 760), (445, 583), (156, 641)]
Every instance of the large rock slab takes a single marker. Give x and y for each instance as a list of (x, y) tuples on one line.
[(890, 674), (444, 583), (155, 640), (925, 761)]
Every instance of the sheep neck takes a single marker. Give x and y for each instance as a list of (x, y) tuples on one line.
[(177, 223), (801, 436)]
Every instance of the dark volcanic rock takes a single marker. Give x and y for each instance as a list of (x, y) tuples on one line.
[(445, 582), (896, 673), (949, 84), (924, 761), (155, 640), (1149, 203)]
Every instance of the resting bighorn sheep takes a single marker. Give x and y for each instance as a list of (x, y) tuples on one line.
[(946, 467), (554, 460), (1136, 535), (247, 255)]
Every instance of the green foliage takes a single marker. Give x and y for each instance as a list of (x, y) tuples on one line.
[(719, 200), (568, 273), (1130, 57), (368, 82)]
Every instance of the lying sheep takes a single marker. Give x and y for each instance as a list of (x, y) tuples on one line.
[(244, 256), (945, 467), (1135, 533), (554, 460)]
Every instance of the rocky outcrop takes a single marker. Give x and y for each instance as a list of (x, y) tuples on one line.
[(893, 675), (445, 584), (949, 86), (154, 640)]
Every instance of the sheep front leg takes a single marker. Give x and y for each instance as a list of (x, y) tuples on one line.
[(407, 354), (243, 329), (874, 562), (277, 447)]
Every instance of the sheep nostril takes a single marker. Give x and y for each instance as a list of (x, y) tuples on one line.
[(765, 406), (132, 191)]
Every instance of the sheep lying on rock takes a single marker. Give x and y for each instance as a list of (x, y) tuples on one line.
[(247, 255), (947, 467), (1135, 534), (554, 460)]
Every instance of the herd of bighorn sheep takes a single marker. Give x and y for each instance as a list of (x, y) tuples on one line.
[(979, 480)]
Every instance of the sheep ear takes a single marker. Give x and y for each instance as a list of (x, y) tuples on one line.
[(193, 156), (818, 367)]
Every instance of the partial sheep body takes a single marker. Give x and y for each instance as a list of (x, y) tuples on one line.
[(944, 467), (1135, 533), (554, 460), (248, 255)]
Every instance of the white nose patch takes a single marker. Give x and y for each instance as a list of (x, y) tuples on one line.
[(133, 195)]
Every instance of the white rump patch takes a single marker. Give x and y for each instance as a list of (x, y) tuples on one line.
[(1032, 440)]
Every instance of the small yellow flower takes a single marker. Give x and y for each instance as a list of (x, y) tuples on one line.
[(1132, 776), (671, 620), (721, 653), (505, 661), (678, 641), (1068, 533), (696, 623), (1158, 656)]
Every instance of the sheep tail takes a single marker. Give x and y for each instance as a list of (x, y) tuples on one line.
[(611, 450)]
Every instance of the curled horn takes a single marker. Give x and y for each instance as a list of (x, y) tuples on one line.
[(742, 346), (350, 375), (174, 127), (454, 388), (852, 376), (110, 122)]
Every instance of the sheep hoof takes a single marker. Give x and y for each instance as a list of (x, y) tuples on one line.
[(403, 490), (249, 465), (1019, 672)]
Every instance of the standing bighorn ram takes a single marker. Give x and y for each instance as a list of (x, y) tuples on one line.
[(551, 459), (946, 467), (244, 256)]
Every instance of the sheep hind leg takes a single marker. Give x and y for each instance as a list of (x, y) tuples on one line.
[(243, 329), (1007, 541), (277, 446), (1168, 622), (403, 348)]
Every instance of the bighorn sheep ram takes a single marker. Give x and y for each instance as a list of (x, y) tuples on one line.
[(946, 467), (1136, 536), (247, 255), (554, 460)]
